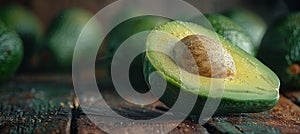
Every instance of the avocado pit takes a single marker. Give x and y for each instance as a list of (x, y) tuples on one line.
[(201, 55)]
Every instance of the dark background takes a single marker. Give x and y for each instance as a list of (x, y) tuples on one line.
[(268, 9)]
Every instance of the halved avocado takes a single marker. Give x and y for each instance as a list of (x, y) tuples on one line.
[(253, 87)]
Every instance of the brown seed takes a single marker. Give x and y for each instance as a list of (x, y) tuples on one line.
[(202, 55)]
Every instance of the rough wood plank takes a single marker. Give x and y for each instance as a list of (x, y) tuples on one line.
[(42, 104), (29, 104), (106, 120), (283, 118), (186, 127)]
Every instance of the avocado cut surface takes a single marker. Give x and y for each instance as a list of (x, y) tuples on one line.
[(280, 49), (232, 32), (26, 24), (11, 52), (63, 33), (253, 24), (253, 88)]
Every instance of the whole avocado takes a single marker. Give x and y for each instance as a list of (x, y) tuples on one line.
[(11, 52), (232, 32), (253, 24), (128, 28), (27, 25), (62, 34), (122, 32), (280, 49)]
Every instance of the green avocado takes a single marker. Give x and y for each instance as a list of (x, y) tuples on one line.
[(128, 28), (232, 32), (253, 24), (122, 32), (62, 34), (11, 52), (250, 87), (27, 25), (280, 49)]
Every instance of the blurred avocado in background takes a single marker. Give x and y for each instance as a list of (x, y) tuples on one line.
[(61, 37), (280, 49), (27, 25), (253, 24), (122, 32), (128, 28), (232, 32), (46, 10), (11, 52)]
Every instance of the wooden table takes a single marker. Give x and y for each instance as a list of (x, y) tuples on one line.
[(45, 104)]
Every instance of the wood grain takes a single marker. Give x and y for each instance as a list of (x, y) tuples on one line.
[(35, 107), (46, 104), (283, 118)]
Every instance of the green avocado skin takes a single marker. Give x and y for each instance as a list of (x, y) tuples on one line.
[(11, 52), (123, 31), (61, 37), (232, 32), (280, 48), (226, 105), (130, 27), (253, 24), (27, 25)]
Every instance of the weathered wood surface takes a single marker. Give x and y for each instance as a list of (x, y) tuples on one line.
[(35, 105), (45, 104), (116, 125), (283, 118), (186, 127)]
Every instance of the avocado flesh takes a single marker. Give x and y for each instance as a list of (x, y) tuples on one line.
[(253, 88), (280, 49)]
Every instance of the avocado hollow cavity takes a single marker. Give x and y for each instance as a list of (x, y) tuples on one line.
[(199, 54)]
